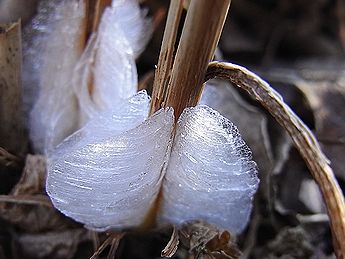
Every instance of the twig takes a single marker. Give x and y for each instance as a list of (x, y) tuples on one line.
[(113, 238), (12, 133), (200, 36), (37, 199), (166, 57), (9, 159), (302, 137)]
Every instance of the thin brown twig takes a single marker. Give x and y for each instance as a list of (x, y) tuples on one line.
[(302, 137), (9, 159), (109, 240), (171, 248), (37, 199), (114, 245)]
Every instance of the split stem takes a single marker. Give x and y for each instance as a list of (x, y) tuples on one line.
[(200, 35), (166, 55)]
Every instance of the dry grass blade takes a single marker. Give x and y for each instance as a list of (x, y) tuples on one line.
[(37, 199), (113, 239), (171, 248), (302, 137), (114, 245), (166, 57)]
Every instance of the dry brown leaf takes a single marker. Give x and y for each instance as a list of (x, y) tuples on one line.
[(327, 100), (28, 207), (55, 244), (289, 243), (206, 241)]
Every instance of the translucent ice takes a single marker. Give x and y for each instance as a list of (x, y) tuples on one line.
[(73, 88), (106, 73), (108, 174), (51, 57), (210, 174)]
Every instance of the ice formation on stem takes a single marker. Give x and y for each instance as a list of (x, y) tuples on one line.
[(53, 50), (50, 57), (106, 73), (124, 166), (109, 176)]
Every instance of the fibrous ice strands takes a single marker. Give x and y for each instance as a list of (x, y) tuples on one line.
[(57, 48), (111, 179), (103, 76), (106, 72), (210, 174), (108, 174)]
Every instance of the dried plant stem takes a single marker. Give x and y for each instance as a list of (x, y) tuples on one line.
[(99, 7), (166, 55), (200, 36), (94, 11), (171, 248), (12, 133), (38, 199), (302, 137), (112, 240)]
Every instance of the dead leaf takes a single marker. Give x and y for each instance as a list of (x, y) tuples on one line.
[(206, 241), (55, 244), (289, 243), (27, 206), (327, 100)]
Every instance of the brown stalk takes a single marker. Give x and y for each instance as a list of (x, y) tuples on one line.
[(200, 36), (166, 57), (99, 7), (38, 199), (302, 137), (12, 132)]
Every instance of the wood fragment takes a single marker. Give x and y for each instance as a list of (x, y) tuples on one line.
[(302, 137), (200, 36), (166, 57), (12, 132)]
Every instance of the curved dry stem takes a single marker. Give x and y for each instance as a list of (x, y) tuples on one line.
[(302, 137)]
